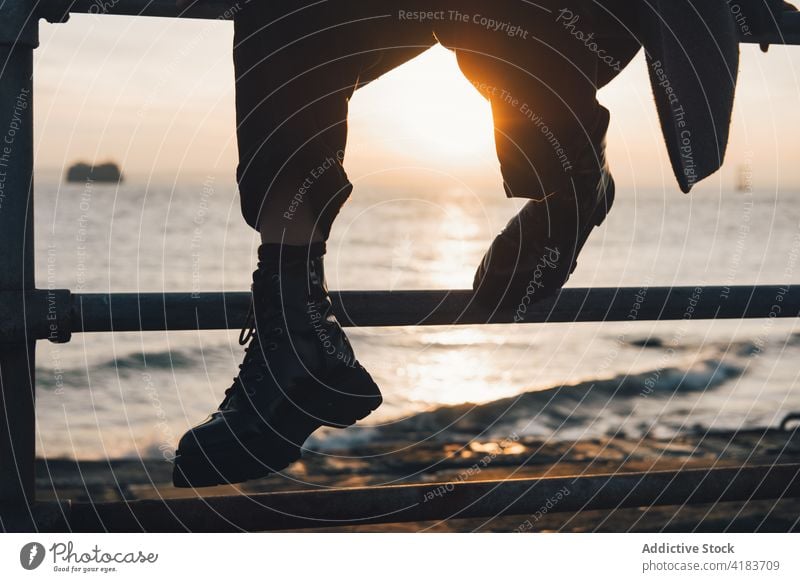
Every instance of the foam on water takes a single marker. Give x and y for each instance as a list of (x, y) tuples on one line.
[(133, 394)]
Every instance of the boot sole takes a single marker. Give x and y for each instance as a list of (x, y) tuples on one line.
[(350, 395), (247, 460)]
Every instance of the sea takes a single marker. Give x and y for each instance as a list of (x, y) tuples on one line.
[(132, 395)]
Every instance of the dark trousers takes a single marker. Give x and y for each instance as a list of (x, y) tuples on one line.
[(298, 63)]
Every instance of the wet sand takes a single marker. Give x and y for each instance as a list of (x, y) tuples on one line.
[(388, 463)]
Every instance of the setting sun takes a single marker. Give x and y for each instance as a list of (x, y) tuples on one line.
[(428, 106)]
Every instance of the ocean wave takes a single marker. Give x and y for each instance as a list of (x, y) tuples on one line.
[(599, 402), (50, 378), (557, 408), (166, 360)]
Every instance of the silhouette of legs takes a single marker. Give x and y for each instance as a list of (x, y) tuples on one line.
[(297, 66)]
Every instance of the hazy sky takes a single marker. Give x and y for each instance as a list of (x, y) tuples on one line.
[(156, 95)]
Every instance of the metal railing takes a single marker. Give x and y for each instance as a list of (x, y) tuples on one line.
[(28, 315)]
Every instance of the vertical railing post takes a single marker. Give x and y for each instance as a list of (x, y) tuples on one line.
[(18, 38)]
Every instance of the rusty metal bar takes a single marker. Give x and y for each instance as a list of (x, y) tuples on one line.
[(204, 311), (18, 37), (203, 9), (437, 501), (788, 29)]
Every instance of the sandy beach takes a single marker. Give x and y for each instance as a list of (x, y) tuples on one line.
[(388, 463)]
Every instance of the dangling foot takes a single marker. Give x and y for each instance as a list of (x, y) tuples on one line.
[(537, 251), (299, 373)]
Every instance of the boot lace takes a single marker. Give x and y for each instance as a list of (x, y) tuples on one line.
[(260, 338)]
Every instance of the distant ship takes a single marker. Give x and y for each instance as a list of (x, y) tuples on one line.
[(82, 172), (744, 181)]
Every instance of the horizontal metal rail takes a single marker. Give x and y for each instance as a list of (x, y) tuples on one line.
[(56, 314), (788, 29), (185, 311), (205, 9), (438, 501)]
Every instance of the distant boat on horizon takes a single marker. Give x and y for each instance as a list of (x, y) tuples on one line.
[(744, 181), (108, 172)]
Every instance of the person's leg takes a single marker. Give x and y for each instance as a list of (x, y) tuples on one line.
[(296, 69), (540, 70), (291, 106)]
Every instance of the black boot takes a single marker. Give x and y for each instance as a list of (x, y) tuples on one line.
[(299, 373), (537, 251)]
